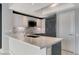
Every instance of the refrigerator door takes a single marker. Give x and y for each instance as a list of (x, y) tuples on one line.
[(66, 29)]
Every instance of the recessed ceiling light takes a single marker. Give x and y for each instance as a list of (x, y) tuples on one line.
[(32, 3), (53, 5)]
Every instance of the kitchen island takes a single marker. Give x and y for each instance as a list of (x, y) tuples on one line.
[(19, 44)]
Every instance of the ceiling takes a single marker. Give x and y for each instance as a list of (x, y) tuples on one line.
[(39, 9), (29, 7)]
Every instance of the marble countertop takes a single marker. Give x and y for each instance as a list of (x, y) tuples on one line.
[(41, 41)]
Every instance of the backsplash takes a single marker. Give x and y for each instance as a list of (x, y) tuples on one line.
[(35, 26), (30, 30)]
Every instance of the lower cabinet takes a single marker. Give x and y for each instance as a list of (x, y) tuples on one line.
[(17, 47)]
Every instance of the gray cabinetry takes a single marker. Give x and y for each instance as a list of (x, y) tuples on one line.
[(50, 29)]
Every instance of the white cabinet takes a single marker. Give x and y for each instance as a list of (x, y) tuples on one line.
[(66, 29), (17, 47), (20, 20)]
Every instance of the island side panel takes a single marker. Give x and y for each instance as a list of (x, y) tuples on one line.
[(56, 49)]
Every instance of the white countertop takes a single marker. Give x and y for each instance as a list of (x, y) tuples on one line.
[(41, 41)]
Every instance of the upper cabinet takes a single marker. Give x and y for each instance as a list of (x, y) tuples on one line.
[(20, 21)]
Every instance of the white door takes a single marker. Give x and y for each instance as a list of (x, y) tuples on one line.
[(66, 30), (77, 30)]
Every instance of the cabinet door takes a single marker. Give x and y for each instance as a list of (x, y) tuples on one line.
[(50, 26), (20, 20), (66, 30)]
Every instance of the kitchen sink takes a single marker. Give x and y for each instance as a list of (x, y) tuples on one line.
[(33, 36)]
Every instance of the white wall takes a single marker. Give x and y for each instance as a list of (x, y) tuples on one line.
[(6, 26)]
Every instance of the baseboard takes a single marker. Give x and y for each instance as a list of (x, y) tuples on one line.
[(10, 52), (2, 52)]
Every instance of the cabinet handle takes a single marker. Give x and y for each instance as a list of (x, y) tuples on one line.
[(70, 34)]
